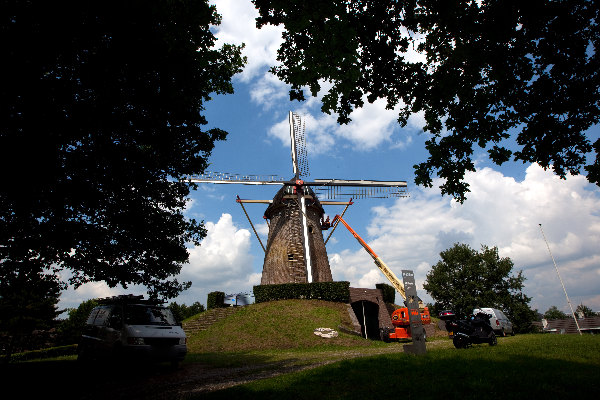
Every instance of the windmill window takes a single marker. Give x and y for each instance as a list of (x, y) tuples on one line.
[(310, 229)]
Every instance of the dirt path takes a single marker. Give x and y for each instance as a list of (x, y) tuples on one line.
[(70, 380), (193, 378)]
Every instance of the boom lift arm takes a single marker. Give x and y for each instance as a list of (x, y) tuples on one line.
[(378, 261), (400, 317)]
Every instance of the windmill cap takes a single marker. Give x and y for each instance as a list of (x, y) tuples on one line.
[(288, 190)]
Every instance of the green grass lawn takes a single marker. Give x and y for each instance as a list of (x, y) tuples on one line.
[(270, 336), (520, 367), (285, 324)]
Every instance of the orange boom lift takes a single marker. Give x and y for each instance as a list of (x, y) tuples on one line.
[(400, 318)]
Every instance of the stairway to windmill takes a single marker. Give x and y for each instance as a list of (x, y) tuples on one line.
[(296, 250), (207, 319)]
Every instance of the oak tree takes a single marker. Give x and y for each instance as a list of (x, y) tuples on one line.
[(554, 313), (489, 71), (100, 124), (465, 279)]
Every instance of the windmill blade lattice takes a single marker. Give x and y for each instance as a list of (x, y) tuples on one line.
[(299, 144), (358, 189)]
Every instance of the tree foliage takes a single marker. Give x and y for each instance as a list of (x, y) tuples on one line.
[(28, 302), (493, 69), (554, 313), (182, 311), (586, 311), (465, 279), (101, 120), (71, 328)]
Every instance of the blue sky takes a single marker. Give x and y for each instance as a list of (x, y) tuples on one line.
[(504, 209)]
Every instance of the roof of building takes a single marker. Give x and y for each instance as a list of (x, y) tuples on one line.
[(567, 325)]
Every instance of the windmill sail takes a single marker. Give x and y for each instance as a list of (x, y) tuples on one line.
[(298, 140), (298, 143), (358, 189)]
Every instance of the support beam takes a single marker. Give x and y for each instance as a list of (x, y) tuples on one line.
[(337, 222), (251, 224)]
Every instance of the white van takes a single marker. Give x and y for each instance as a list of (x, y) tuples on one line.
[(129, 327), (499, 321)]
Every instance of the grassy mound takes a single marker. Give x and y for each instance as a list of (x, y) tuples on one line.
[(285, 324)]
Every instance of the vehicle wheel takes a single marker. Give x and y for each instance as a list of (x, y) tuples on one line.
[(459, 342), (493, 340), (83, 355)]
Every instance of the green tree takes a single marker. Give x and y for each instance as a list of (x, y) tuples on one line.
[(28, 302), (492, 69), (554, 313), (71, 328), (465, 279), (182, 311), (101, 123), (587, 311)]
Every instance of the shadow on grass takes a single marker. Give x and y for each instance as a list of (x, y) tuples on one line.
[(456, 375), (70, 379)]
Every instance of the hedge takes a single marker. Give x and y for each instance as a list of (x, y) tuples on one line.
[(215, 300), (45, 353), (388, 291), (329, 291)]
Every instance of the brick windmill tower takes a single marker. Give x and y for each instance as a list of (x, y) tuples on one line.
[(295, 251)]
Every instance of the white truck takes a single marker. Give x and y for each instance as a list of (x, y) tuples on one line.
[(128, 327)]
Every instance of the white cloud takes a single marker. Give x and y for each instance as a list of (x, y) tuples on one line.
[(500, 212), (318, 131), (371, 127), (370, 279), (223, 262), (238, 26), (263, 230), (268, 91), (223, 254)]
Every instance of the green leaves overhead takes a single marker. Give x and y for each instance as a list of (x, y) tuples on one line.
[(480, 72), (103, 118)]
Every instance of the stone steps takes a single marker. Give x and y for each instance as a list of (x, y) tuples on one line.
[(204, 320)]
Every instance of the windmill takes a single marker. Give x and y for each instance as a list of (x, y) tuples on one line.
[(295, 250)]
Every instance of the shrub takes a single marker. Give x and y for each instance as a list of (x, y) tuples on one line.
[(215, 300), (388, 291), (329, 291), (45, 353)]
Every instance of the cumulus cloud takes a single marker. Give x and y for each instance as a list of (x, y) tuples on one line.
[(500, 212), (319, 131), (238, 26), (223, 262), (222, 256), (371, 127), (268, 91)]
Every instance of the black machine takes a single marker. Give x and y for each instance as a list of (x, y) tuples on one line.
[(472, 330)]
